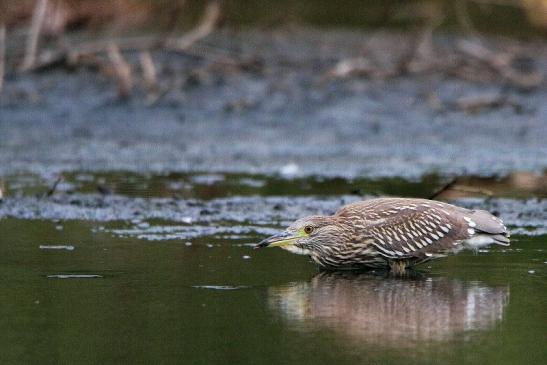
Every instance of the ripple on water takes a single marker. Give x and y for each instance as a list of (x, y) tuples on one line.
[(74, 276), (57, 247), (221, 287)]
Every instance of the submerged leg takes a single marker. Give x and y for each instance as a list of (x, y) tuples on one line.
[(398, 267)]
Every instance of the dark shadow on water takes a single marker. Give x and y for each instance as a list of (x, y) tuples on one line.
[(379, 309)]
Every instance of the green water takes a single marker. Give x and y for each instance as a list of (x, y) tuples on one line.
[(111, 299)]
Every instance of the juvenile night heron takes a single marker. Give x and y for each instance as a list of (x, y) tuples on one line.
[(389, 232)]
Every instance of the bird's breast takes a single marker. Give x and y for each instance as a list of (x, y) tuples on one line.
[(296, 250)]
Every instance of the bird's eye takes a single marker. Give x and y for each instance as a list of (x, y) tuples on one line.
[(308, 229)]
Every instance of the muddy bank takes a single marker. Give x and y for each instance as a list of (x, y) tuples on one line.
[(265, 102), (164, 218)]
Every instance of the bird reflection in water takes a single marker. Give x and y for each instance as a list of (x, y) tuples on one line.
[(390, 311)]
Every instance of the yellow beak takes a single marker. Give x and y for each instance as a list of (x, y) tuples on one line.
[(278, 240)]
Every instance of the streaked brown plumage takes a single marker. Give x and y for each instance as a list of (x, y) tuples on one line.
[(389, 232)]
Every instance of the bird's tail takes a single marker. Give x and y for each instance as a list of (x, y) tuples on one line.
[(489, 226)]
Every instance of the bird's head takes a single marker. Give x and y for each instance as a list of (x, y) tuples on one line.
[(305, 235)]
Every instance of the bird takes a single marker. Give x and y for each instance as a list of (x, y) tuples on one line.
[(389, 233)]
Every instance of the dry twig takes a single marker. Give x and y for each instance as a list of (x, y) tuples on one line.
[(144, 43), (149, 75), (419, 56), (358, 66), (122, 71), (204, 28), (34, 35), (53, 187), (148, 70), (503, 64), (476, 104), (442, 189), (472, 190)]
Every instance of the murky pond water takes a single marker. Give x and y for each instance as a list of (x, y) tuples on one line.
[(187, 287)]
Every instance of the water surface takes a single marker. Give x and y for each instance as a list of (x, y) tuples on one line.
[(86, 292)]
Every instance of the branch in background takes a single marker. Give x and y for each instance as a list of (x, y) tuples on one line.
[(122, 71), (472, 190), (204, 28), (505, 64), (357, 66), (475, 104), (425, 47), (451, 185), (419, 56), (53, 188), (148, 70), (443, 188), (34, 35), (73, 54), (150, 78), (114, 49), (408, 56), (2, 58)]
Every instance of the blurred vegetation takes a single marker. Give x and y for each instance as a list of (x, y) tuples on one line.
[(508, 17)]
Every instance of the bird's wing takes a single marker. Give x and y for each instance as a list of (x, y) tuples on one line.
[(404, 228)]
